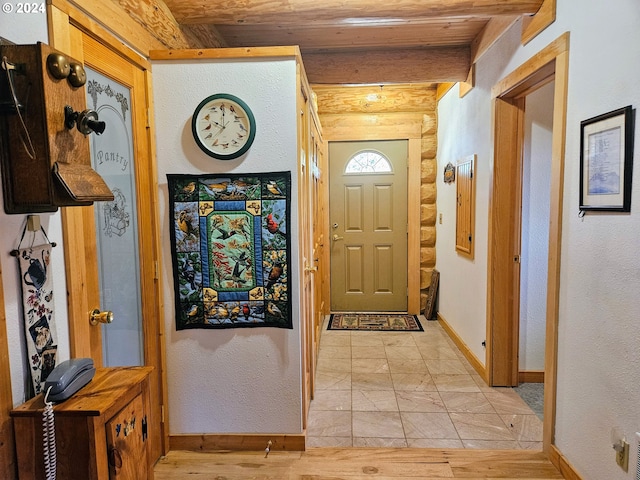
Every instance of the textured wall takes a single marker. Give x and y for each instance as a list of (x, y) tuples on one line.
[(234, 380), (598, 370)]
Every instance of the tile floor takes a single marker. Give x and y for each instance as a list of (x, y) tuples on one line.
[(411, 389)]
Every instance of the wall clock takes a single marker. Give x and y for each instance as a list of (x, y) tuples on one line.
[(223, 126)]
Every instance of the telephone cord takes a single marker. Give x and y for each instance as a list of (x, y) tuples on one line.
[(49, 439)]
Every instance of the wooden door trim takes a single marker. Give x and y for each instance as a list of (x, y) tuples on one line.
[(504, 240), (66, 28), (7, 446), (556, 57), (364, 127)]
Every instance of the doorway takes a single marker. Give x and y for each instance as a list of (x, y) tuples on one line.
[(503, 292), (368, 225), (536, 181)]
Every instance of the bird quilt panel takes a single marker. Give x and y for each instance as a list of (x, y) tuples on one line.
[(230, 245)]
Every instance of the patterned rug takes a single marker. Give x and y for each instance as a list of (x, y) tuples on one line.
[(374, 321)]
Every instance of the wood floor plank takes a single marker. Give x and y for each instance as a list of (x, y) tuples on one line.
[(358, 464)]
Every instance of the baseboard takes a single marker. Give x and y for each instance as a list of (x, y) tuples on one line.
[(237, 442), (531, 376), (471, 358), (562, 464)]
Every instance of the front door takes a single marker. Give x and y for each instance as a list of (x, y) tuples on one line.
[(368, 225), (111, 265)]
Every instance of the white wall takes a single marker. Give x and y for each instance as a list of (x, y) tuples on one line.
[(598, 354), (28, 29), (234, 380), (536, 183)]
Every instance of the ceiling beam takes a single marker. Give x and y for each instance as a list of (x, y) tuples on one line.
[(442, 64), (156, 18), (424, 33), (281, 12)]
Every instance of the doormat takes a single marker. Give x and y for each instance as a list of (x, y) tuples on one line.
[(230, 245), (375, 321)]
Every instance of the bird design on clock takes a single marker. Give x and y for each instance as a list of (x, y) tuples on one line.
[(223, 126)]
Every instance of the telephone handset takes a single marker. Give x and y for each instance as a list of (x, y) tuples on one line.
[(67, 378)]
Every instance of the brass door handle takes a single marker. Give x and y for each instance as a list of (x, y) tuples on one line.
[(96, 317), (336, 237)]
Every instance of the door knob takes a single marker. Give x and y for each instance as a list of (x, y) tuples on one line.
[(336, 237), (97, 317)]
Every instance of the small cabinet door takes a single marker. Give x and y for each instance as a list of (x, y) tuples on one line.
[(126, 442)]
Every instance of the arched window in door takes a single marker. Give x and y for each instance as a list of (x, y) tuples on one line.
[(368, 161)]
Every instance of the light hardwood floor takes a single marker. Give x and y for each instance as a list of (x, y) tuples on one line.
[(358, 464), (344, 386)]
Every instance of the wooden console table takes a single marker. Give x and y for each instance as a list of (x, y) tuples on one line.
[(102, 432)]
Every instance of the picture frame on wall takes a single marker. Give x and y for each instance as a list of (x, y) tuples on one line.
[(606, 161)]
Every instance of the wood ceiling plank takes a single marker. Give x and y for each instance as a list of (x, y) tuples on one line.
[(203, 36), (443, 64), (459, 31), (280, 12), (338, 99)]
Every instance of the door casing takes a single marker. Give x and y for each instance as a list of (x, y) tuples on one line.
[(379, 250), (549, 64), (410, 129)]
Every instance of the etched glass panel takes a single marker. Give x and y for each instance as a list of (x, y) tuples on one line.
[(368, 161), (116, 222)]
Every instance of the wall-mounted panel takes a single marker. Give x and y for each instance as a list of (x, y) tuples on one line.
[(465, 208)]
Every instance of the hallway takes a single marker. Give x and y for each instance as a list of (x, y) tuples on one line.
[(411, 389)]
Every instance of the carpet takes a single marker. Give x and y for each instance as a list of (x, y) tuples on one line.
[(374, 321), (533, 395)]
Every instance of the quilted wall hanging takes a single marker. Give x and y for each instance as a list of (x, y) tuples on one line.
[(230, 246)]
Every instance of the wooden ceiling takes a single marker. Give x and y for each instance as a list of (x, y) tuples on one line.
[(355, 41)]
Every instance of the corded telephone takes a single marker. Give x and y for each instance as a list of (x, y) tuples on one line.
[(67, 378), (64, 380)]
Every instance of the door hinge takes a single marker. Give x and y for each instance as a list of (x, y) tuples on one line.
[(148, 117), (162, 413), (155, 270)]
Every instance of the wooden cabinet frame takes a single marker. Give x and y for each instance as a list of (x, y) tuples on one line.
[(465, 206)]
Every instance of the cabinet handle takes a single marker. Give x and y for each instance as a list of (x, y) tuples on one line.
[(144, 428), (115, 459)]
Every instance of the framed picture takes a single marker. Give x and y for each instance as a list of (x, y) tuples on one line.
[(606, 161)]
